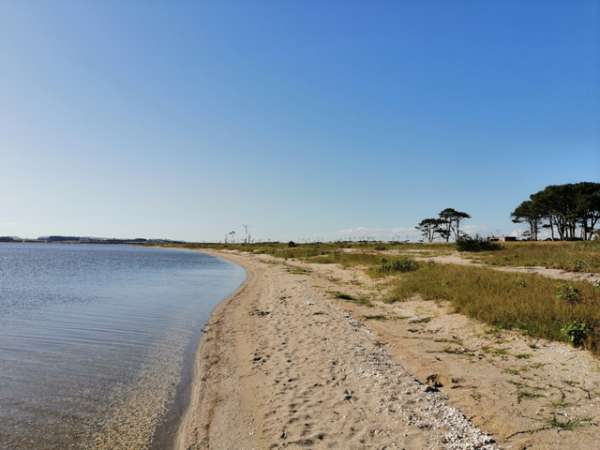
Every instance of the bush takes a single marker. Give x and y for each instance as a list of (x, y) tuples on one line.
[(397, 265), (580, 266), (568, 293), (476, 244), (292, 244), (576, 333)]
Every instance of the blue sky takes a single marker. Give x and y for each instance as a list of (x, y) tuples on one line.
[(305, 120)]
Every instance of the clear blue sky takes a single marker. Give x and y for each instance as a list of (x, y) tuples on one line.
[(302, 119)]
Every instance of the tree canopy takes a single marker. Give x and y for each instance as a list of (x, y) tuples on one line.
[(447, 223), (568, 211)]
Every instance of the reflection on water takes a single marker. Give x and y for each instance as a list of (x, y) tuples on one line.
[(93, 338)]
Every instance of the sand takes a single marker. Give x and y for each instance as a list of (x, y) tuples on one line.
[(281, 365), (284, 364)]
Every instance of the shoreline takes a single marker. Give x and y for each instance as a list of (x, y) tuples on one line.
[(280, 366), (196, 383)]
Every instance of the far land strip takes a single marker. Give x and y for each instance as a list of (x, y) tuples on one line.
[(309, 355)]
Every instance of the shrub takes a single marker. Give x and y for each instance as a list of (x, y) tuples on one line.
[(576, 333), (580, 266), (397, 265), (568, 293), (292, 244), (476, 244), (343, 296)]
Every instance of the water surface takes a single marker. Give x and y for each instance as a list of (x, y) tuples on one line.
[(93, 339)]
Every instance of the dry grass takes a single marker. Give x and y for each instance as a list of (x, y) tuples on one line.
[(282, 250), (511, 301), (583, 256)]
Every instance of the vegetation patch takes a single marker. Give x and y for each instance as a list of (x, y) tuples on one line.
[(568, 293), (582, 256), (398, 265), (569, 424), (376, 317), (476, 244), (350, 298), (295, 270), (498, 299), (343, 296), (576, 332)]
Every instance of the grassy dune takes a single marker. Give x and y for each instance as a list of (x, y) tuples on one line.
[(583, 256), (539, 306)]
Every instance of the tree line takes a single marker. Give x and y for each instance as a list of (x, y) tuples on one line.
[(568, 211)]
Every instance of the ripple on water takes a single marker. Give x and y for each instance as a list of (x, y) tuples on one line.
[(93, 340)]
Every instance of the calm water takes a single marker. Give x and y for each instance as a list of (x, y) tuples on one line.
[(94, 339)]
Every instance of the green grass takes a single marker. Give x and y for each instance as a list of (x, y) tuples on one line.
[(526, 302), (395, 265), (350, 298), (582, 256)]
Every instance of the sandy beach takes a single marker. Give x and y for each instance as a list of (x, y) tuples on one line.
[(283, 364)]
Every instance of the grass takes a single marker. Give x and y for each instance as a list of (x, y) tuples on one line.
[(350, 298), (376, 317), (310, 250), (569, 424), (298, 270), (395, 265), (526, 302), (343, 296), (582, 256)]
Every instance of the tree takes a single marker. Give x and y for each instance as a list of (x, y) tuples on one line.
[(566, 208), (452, 219), (527, 212), (429, 228)]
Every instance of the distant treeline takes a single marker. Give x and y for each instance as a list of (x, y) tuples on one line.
[(87, 240), (567, 211)]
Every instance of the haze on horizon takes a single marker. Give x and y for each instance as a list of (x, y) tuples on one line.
[(305, 120)]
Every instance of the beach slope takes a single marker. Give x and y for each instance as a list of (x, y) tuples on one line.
[(281, 365)]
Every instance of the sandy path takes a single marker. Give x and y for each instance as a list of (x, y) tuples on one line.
[(529, 393), (283, 365)]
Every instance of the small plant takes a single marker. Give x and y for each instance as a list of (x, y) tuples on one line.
[(397, 265), (521, 283), (569, 293), (467, 243), (580, 266), (343, 296), (292, 244), (376, 317), (576, 333)]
